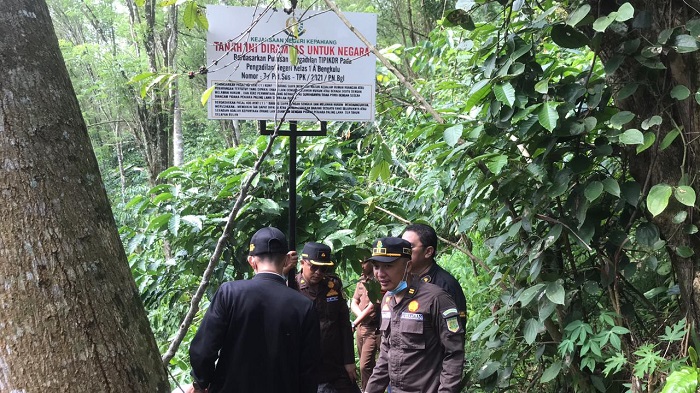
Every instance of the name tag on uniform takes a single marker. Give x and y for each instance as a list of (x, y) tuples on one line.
[(412, 315), (332, 299)]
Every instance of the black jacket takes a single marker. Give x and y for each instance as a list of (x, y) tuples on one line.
[(265, 336), (442, 278)]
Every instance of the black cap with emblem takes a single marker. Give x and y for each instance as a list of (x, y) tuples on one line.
[(389, 249), (317, 254), (269, 240)]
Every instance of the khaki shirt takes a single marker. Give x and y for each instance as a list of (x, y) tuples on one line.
[(337, 343), (422, 349)]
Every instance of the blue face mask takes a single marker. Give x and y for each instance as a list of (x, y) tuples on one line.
[(402, 284)]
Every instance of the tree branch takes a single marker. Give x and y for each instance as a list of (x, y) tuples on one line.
[(386, 63), (214, 260)]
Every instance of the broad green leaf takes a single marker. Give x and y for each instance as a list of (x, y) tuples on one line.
[(647, 234), (658, 197), (685, 43), (621, 118), (593, 190), (202, 21), (481, 327), (603, 22), (159, 222), (496, 163), (380, 170), (625, 12), (488, 369), (568, 37), (269, 206), (505, 93), (193, 221), (174, 224), (684, 380), (477, 93), (627, 90), (555, 292), (684, 251), (551, 372), (142, 76), (652, 121), (578, 15), (665, 35), (532, 328), (685, 195), (669, 138), (452, 134), (528, 294), (680, 217), (649, 139), (459, 17), (631, 192), (552, 236), (207, 94), (542, 86), (190, 14), (548, 115), (611, 187), (632, 137), (140, 3), (293, 59), (680, 92)]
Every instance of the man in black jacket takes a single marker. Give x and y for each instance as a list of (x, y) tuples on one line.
[(258, 335), (423, 241)]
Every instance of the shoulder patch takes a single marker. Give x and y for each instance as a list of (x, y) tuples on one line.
[(449, 312), (452, 324)]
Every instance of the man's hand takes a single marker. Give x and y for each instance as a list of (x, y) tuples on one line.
[(290, 263), (350, 368), (190, 389)]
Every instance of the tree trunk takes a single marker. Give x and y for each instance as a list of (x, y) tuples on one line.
[(171, 50), (680, 159), (71, 314)]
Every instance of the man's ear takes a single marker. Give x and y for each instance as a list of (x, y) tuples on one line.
[(252, 263), (429, 251)]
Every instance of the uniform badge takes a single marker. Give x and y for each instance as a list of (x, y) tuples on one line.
[(452, 324), (413, 306), (252, 246), (411, 291), (426, 278)]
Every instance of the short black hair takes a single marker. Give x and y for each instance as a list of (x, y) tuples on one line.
[(425, 233), (276, 259)]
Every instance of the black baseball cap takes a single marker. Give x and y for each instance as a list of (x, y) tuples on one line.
[(389, 249), (268, 240), (317, 254)]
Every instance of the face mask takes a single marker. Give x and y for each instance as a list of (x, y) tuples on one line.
[(402, 284)]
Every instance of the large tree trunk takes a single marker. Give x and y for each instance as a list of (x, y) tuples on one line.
[(654, 165), (71, 314)]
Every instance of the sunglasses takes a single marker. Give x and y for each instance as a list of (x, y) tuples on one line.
[(323, 269)]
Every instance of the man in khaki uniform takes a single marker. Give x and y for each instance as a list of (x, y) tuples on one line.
[(336, 373), (422, 348)]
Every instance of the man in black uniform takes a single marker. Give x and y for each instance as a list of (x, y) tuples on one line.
[(258, 335), (423, 241), (422, 348), (337, 369)]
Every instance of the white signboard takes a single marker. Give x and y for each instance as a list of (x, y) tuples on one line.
[(251, 55)]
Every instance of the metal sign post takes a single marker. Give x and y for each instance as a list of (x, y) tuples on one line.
[(293, 133)]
